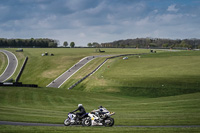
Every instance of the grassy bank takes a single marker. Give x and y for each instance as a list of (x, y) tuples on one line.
[(49, 105), (152, 75), (21, 129)]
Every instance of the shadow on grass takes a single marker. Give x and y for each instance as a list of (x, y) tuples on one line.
[(151, 92), (156, 91)]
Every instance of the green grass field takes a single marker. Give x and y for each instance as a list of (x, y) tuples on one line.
[(155, 89), (22, 129), (49, 105), (152, 75)]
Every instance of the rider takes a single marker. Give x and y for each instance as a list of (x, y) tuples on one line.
[(102, 109), (81, 109)]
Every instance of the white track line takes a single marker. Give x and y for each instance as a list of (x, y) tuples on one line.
[(75, 72), (99, 67)]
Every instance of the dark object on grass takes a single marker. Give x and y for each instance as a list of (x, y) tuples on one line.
[(19, 50), (101, 51)]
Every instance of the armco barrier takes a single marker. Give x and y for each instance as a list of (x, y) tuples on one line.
[(17, 84), (22, 68), (99, 67)]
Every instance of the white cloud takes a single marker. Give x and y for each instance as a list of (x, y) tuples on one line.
[(97, 9), (172, 8), (168, 18), (143, 22)]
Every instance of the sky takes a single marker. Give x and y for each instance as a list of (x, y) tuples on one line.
[(88, 21)]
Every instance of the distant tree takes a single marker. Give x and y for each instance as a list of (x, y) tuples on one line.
[(89, 44), (96, 44), (65, 44), (72, 44)]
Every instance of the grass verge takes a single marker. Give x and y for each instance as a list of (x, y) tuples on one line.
[(22, 129), (49, 105)]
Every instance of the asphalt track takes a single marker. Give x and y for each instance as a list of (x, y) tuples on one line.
[(67, 74), (62, 125), (11, 67)]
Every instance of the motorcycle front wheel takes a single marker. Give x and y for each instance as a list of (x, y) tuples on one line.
[(87, 122), (109, 122), (67, 122)]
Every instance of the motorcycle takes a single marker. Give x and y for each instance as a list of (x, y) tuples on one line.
[(72, 119), (99, 118)]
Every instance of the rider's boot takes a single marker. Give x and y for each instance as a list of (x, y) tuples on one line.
[(77, 119)]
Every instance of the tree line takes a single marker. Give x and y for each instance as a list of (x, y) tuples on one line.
[(29, 43), (150, 43)]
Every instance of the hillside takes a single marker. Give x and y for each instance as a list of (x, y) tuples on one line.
[(154, 74), (48, 68), (155, 89), (151, 75)]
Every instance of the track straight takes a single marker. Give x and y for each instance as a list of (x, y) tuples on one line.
[(70, 72)]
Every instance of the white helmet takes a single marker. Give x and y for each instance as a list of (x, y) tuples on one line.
[(80, 105)]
